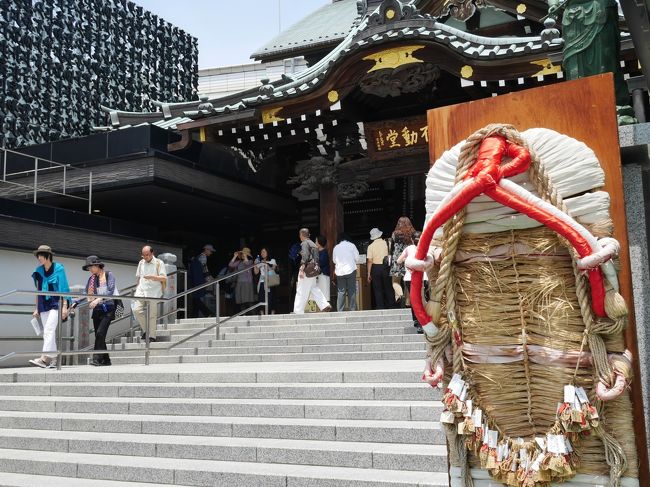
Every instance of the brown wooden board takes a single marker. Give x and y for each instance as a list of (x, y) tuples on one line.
[(585, 110), (393, 138)]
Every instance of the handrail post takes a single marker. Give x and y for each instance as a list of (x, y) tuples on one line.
[(74, 334), (59, 332), (185, 297), (35, 177), (266, 289), (4, 165), (90, 192), (147, 332), (64, 178), (217, 306)]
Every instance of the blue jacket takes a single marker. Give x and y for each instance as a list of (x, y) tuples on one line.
[(55, 281)]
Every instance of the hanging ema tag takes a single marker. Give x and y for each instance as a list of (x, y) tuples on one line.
[(447, 417), (468, 409), (582, 395), (456, 385), (569, 394), (493, 439), (463, 392), (477, 417), (536, 465)]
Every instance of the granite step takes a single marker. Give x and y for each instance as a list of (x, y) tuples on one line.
[(26, 480), (206, 472), (282, 323), (283, 349), (379, 372), (429, 458), (271, 357), (409, 432), (369, 391), (266, 408), (298, 332), (349, 316), (210, 341)]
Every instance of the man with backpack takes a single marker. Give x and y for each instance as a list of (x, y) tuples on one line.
[(151, 279), (309, 271)]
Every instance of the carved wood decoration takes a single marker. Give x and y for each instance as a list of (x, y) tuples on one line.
[(463, 9), (318, 172), (409, 78)]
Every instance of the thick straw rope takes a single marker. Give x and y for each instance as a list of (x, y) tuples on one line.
[(445, 286)]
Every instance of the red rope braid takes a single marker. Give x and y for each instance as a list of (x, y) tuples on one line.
[(485, 175)]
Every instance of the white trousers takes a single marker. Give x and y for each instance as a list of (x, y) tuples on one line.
[(304, 287), (323, 282), (49, 319)]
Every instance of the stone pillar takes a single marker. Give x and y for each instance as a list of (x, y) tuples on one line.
[(172, 286), (636, 186), (82, 324)]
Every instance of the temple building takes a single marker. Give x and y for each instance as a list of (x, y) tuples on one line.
[(340, 143)]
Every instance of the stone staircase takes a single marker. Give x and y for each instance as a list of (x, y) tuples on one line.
[(338, 401), (375, 335)]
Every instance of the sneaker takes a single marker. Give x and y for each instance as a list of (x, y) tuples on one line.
[(326, 309), (52, 364), (39, 362)]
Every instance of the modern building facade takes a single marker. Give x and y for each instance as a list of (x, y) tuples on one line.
[(228, 80), (62, 60)]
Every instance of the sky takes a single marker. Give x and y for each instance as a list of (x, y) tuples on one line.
[(229, 32)]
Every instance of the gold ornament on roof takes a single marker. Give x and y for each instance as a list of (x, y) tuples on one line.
[(466, 71), (394, 57), (270, 115)]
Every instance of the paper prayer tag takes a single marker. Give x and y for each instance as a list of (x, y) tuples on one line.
[(569, 394), (582, 395), (447, 417), (468, 405), (477, 417), (493, 439)]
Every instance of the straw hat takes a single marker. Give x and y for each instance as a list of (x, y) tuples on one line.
[(375, 233), (43, 249)]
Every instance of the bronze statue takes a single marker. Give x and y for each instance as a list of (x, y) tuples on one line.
[(592, 45)]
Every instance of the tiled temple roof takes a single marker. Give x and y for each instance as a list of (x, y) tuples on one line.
[(373, 30)]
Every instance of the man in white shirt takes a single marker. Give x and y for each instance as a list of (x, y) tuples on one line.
[(344, 256), (151, 279)]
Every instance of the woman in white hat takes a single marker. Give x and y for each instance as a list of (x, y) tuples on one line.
[(49, 276)]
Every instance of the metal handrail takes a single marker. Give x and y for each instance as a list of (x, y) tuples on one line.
[(52, 165), (128, 316), (148, 302)]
